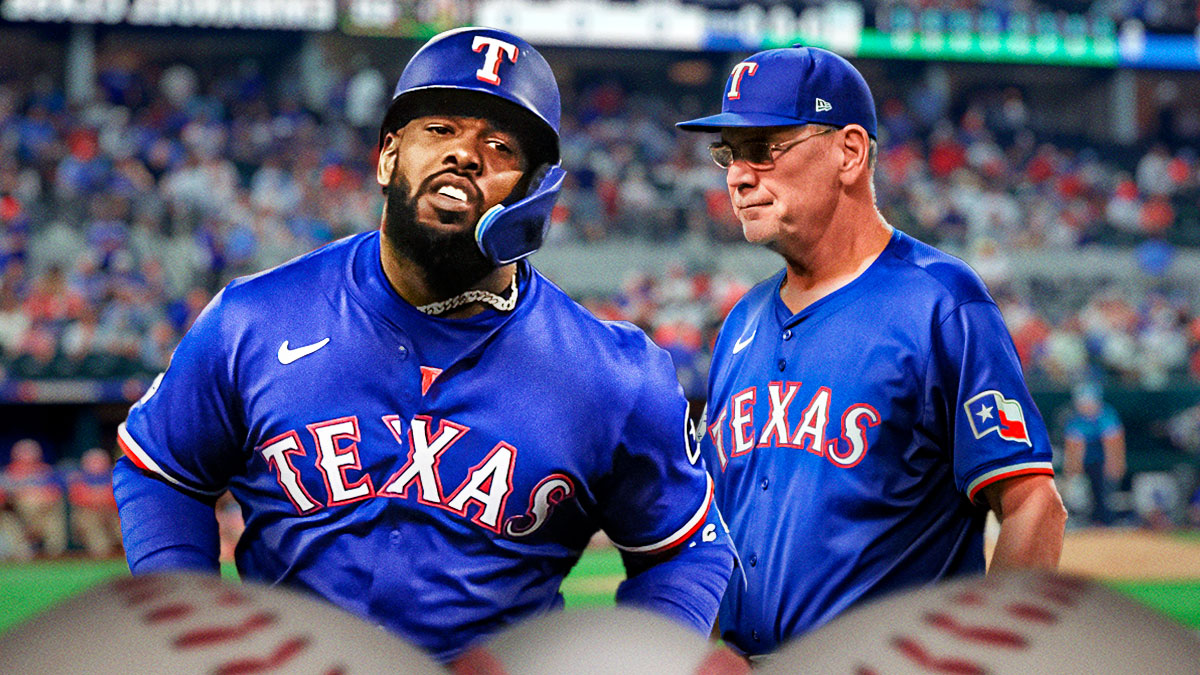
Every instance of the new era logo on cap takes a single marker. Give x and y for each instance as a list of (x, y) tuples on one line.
[(823, 105)]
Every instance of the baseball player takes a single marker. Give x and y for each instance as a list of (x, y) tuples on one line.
[(866, 406), (1094, 446), (417, 425)]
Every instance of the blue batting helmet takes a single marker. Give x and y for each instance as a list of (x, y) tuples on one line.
[(484, 60), (452, 70)]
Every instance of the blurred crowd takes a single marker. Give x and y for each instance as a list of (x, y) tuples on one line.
[(1150, 341), (121, 217), (44, 508), (1161, 16), (53, 508)]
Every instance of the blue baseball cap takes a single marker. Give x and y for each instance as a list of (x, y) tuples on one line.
[(790, 86)]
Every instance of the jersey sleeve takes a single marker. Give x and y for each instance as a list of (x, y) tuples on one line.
[(996, 430), (658, 491), (183, 428)]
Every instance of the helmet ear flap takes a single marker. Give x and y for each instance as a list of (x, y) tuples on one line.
[(536, 178), (508, 232)]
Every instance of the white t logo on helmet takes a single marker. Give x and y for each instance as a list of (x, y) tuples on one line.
[(735, 78), (490, 72)]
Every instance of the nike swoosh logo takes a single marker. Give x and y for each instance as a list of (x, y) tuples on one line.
[(286, 355), (741, 343)]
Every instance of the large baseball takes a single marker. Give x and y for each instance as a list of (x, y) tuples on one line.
[(186, 623), (1014, 622), (612, 640)]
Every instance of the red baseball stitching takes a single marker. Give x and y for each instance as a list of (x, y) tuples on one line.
[(1030, 612), (914, 652), (168, 612), (204, 637), (285, 652), (970, 598), (994, 637)]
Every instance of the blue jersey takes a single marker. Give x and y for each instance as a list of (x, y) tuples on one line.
[(852, 438), (1091, 431), (438, 476)]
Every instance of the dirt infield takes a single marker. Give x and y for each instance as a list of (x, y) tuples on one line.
[(1129, 555)]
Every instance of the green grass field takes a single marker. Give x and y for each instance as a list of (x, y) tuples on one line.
[(26, 589)]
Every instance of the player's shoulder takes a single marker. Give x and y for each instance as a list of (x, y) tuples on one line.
[(267, 295), (295, 281), (920, 265)]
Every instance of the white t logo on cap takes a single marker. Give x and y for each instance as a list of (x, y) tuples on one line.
[(735, 78), (490, 72), (823, 105)]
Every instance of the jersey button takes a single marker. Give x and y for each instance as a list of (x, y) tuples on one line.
[(753, 559), (403, 352), (782, 365), (754, 634), (766, 482), (787, 334)]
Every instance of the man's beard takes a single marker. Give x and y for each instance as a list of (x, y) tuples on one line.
[(451, 261)]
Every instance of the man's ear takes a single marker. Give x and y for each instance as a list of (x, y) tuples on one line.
[(856, 150), (387, 158)]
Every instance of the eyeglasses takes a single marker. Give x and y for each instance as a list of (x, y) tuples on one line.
[(758, 154)]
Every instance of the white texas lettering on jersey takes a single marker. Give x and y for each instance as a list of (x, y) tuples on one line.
[(811, 434), (780, 400), (854, 423), (490, 71), (488, 484), (716, 431), (552, 491), (481, 497), (278, 452), (741, 421), (334, 460), (422, 458)]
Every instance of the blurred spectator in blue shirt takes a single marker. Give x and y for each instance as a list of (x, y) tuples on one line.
[(1094, 445)]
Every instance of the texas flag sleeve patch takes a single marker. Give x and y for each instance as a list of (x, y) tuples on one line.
[(990, 412)]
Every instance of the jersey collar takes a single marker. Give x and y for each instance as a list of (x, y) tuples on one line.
[(875, 274)]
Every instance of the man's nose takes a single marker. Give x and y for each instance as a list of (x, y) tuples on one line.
[(739, 175), (464, 154)]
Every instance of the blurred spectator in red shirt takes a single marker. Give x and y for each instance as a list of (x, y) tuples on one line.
[(51, 299), (94, 520), (36, 497)]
